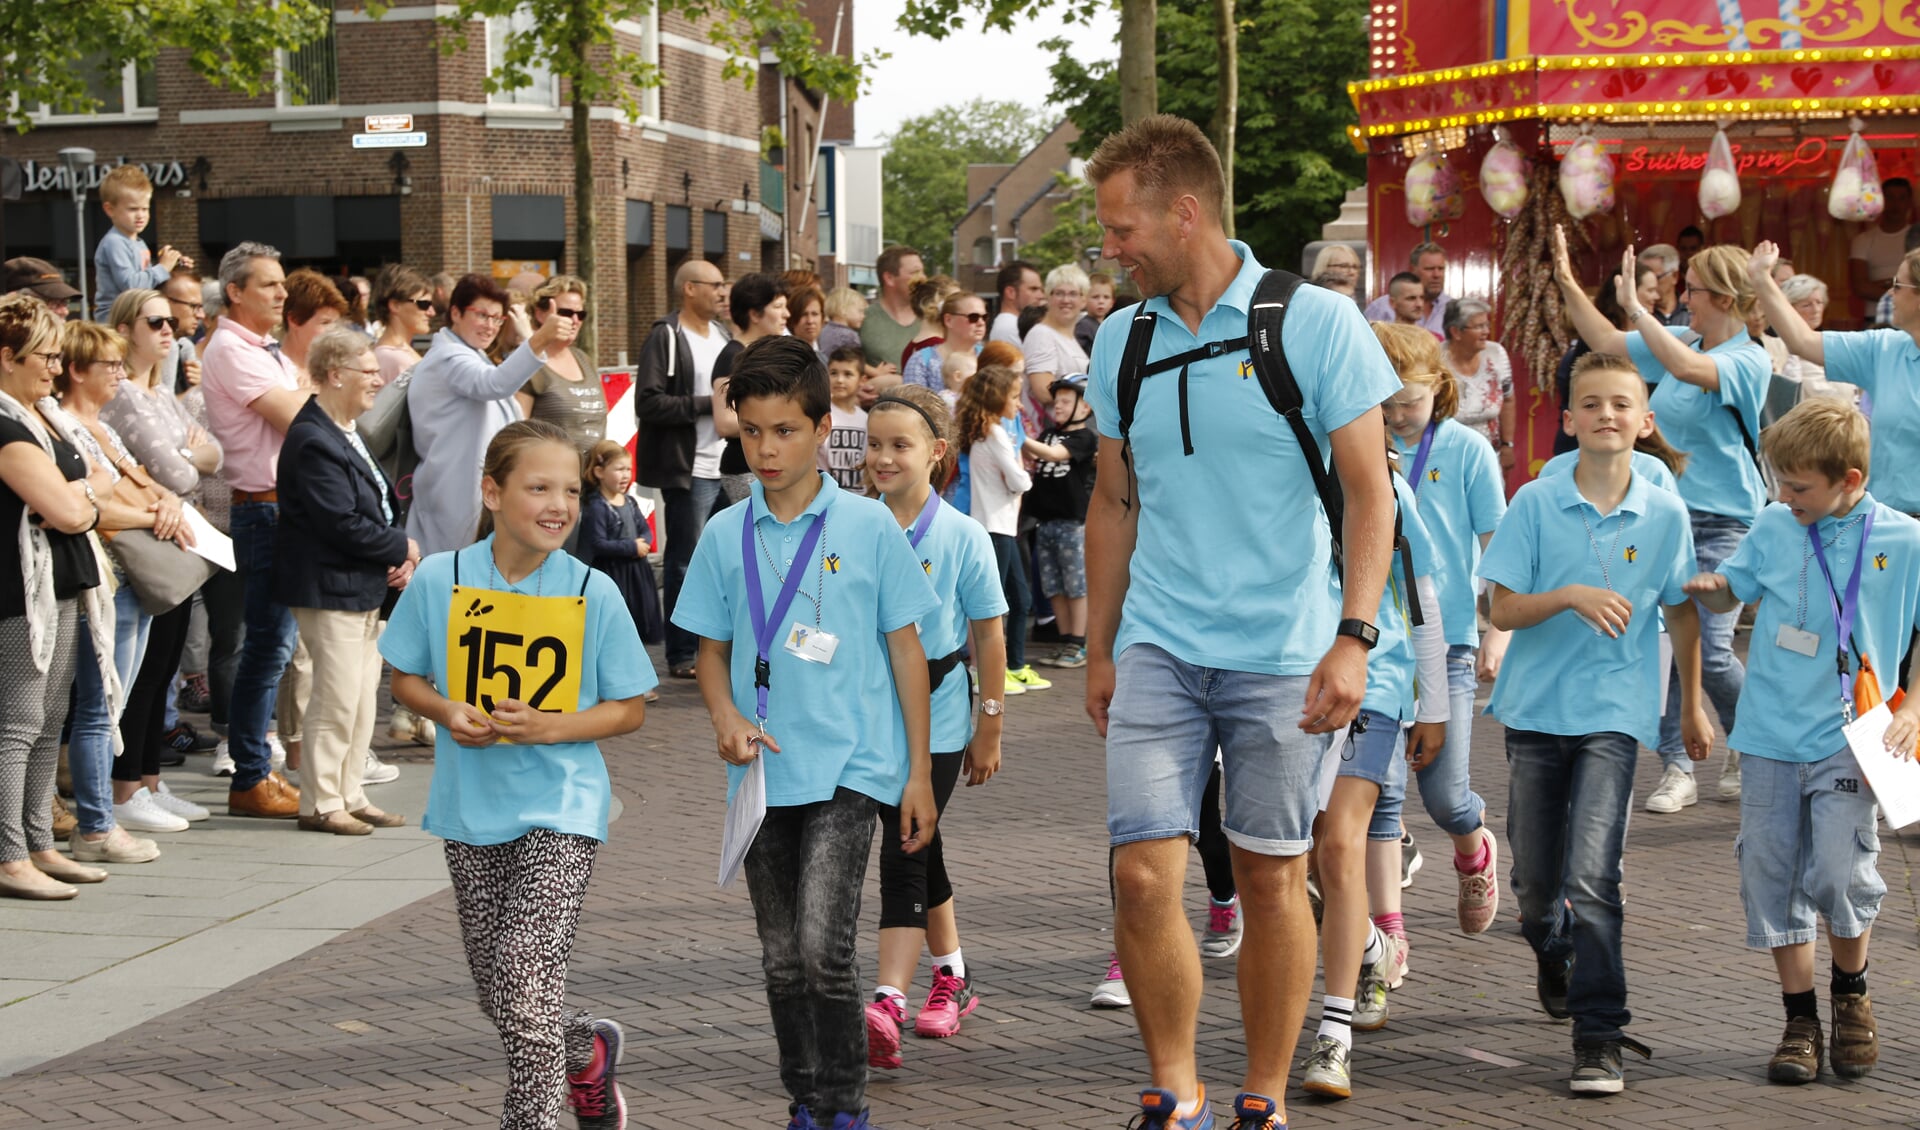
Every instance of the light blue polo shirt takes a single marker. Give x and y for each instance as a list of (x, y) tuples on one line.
[(1645, 467), (1721, 476), (1886, 366), (1462, 496), (838, 724), (1391, 664), (1790, 707), (1561, 676), (957, 556), (1232, 566), (497, 794)]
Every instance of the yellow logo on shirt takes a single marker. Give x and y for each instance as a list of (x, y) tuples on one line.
[(1631, 553), (1433, 475), (833, 563), (1880, 562), (927, 564), (1246, 368)]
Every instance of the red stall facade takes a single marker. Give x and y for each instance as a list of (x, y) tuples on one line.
[(1652, 81)]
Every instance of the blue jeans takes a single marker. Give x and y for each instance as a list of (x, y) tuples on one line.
[(90, 748), (686, 517), (266, 649), (1807, 850), (1721, 673), (1566, 826), (1446, 786)]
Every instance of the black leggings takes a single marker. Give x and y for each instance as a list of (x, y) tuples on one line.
[(1216, 856), (910, 885), (143, 724), (1013, 581)]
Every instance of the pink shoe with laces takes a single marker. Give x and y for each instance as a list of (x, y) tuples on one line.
[(594, 1095), (884, 1017), (950, 999), (1480, 891)]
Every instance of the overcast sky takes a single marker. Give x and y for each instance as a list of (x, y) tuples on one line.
[(926, 74)]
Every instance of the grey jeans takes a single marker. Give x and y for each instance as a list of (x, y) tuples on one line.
[(30, 731)]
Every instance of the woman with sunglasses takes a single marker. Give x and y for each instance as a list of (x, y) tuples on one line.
[(566, 392), (403, 299), (963, 317)]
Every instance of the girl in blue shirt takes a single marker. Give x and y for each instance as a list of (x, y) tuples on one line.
[(520, 791), (909, 448)]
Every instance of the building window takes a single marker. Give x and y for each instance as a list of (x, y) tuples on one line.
[(310, 75), (128, 91), (543, 91)]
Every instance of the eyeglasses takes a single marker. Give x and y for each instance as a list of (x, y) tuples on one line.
[(1699, 290), (109, 366), (489, 319), (1903, 286), (373, 372), (576, 315), (155, 322), (198, 309), (422, 303), (976, 317), (52, 360)]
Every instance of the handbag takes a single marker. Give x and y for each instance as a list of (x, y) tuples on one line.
[(163, 575)]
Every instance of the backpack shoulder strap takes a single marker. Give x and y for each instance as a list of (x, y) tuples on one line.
[(1133, 364), (1266, 315)]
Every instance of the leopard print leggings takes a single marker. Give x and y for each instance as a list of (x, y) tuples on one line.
[(519, 903)]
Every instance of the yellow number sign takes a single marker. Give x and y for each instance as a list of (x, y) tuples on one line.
[(506, 645)]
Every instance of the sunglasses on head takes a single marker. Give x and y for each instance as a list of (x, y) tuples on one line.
[(154, 322)]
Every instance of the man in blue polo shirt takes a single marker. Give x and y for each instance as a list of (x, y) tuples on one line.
[(1250, 644)]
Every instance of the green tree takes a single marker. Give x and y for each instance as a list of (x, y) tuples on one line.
[(1137, 94), (56, 51), (1074, 227), (575, 40), (924, 174), (1292, 158)]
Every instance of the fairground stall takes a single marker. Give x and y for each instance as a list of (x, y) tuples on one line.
[(1488, 121)]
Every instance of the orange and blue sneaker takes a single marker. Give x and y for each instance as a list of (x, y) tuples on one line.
[(950, 999), (802, 1119), (884, 1017), (593, 1094), (1256, 1112), (1159, 1110)]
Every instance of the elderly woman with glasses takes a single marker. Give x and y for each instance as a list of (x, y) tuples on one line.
[(341, 552), (1484, 373), (566, 392), (963, 316)]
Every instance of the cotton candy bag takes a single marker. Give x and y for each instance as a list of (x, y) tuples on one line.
[(1503, 177), (1586, 177), (1720, 180), (1856, 193), (1433, 190)]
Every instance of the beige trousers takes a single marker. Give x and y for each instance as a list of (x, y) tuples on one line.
[(340, 708)]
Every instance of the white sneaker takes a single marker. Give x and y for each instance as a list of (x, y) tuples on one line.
[(376, 771), (1677, 791), (117, 847), (277, 751), (423, 732), (222, 760), (1730, 776), (400, 725), (1111, 992), (184, 809), (138, 813)]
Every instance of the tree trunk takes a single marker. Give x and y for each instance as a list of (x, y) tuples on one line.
[(1139, 93), (1226, 106), (584, 204)]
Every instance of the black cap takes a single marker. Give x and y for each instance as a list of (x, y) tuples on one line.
[(38, 276)]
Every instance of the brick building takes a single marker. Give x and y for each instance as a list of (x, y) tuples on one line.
[(488, 186)]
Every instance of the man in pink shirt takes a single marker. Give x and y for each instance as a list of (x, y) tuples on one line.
[(252, 395)]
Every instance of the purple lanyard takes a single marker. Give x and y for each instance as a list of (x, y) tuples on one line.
[(924, 521), (765, 627), (1845, 607), (1420, 456)]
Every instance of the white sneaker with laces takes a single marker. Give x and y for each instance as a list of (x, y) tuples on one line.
[(138, 813), (222, 760), (184, 809), (376, 771), (1675, 792), (1111, 992), (1730, 776)]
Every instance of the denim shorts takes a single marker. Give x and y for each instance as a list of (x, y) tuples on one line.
[(1167, 719), (1059, 549), (1379, 755), (1807, 847)]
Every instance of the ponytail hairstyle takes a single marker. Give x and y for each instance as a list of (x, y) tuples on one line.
[(503, 455), (1416, 358), (933, 415), (1723, 270), (1655, 443), (599, 457), (982, 399)]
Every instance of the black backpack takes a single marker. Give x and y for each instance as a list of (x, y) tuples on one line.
[(1265, 316)]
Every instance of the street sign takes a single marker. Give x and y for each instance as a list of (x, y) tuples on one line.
[(416, 140), (389, 123)]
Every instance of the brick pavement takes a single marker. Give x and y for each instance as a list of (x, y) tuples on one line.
[(376, 1028)]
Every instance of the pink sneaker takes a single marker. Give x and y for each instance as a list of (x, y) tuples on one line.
[(950, 999), (1480, 891), (884, 1018), (1397, 967), (594, 1095)]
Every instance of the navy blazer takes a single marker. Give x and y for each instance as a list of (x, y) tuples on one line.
[(333, 546)]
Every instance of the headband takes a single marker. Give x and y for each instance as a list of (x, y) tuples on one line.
[(905, 403)]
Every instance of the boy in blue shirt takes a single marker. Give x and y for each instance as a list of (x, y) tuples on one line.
[(1579, 694), (122, 262), (821, 593), (1836, 576)]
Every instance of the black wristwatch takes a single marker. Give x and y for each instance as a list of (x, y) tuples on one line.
[(1366, 633)]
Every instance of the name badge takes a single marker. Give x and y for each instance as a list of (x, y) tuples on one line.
[(804, 641), (1798, 640)]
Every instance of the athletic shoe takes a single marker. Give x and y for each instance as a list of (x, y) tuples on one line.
[(950, 999), (138, 813), (1073, 655), (195, 696), (1797, 1058), (802, 1119), (884, 1017), (1550, 984), (1014, 686), (1410, 859), (1314, 901), (1370, 999), (376, 771), (1397, 967), (1255, 1112), (1855, 1046), (851, 1122), (1675, 792), (400, 724), (1111, 992), (1596, 1065), (1157, 1107), (222, 760), (1224, 929), (1730, 776), (184, 738), (594, 1094), (1480, 891), (1029, 678), (1328, 1070), (164, 800), (423, 731), (118, 847), (276, 753)]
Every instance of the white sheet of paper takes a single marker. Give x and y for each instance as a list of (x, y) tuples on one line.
[(207, 541), (1330, 764), (744, 813), (1895, 780)]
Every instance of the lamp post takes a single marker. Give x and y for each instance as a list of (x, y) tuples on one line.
[(77, 162)]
